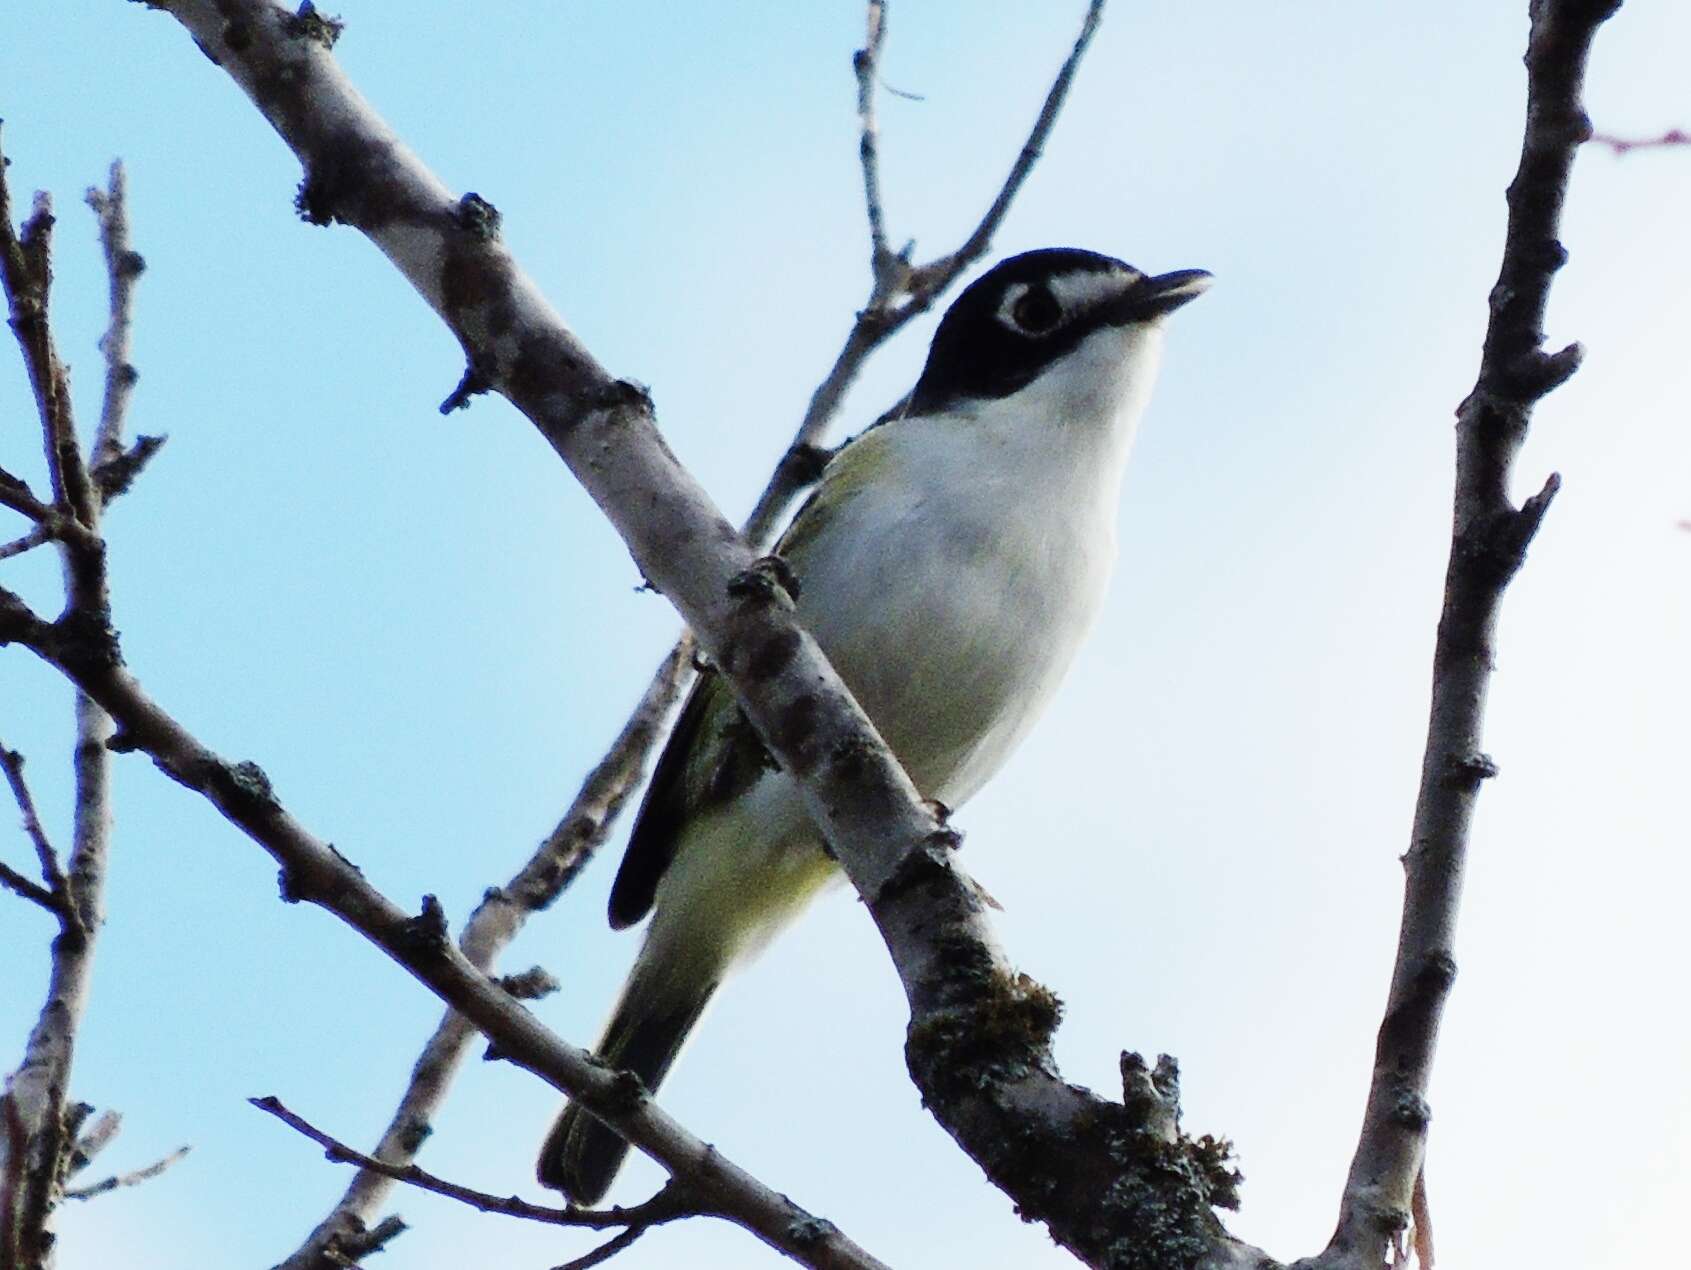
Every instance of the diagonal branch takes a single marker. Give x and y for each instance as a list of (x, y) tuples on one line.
[(605, 1251), (939, 273), (133, 1178), (1488, 543), (1099, 1174), (979, 1035), (498, 919), (34, 892), (667, 1205), (47, 858), (314, 872), (491, 928), (39, 536)]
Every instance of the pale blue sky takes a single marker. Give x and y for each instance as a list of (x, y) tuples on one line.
[(423, 629)]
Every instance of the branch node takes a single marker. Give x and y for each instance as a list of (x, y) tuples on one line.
[(803, 463), (426, 932), (532, 984), (1536, 373), (289, 887), (114, 476), (473, 383), (627, 1093), (926, 864), (1150, 1106), (769, 580), (477, 218), (246, 782), (1532, 511), (311, 23), (808, 1231), (1468, 771), (123, 741), (620, 394), (1411, 1111)]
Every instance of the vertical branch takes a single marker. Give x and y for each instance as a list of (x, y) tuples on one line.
[(1489, 541), (123, 267), (40, 1121), (867, 63)]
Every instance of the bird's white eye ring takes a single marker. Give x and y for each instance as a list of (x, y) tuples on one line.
[(1036, 311)]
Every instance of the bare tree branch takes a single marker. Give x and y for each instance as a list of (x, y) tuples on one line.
[(494, 924), (1077, 1148), (980, 1034), (19, 885), (1672, 138), (1488, 543), (892, 275), (98, 1137), (605, 1251), (133, 1178), (28, 542), (867, 63), (123, 267), (316, 873), (669, 1204), (41, 1122), (624, 764), (927, 276), (54, 896)]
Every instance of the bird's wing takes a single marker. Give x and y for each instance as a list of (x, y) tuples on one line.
[(714, 755)]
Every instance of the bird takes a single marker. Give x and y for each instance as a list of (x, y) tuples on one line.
[(949, 563)]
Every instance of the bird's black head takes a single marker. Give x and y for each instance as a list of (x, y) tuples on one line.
[(1025, 313)]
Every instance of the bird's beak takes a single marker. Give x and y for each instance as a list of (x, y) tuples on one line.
[(1154, 297)]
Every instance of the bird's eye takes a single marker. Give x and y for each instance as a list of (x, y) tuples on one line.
[(1037, 311)]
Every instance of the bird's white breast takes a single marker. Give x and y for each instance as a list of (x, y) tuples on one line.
[(952, 588)]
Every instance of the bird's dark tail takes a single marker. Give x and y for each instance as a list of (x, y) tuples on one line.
[(647, 1030)]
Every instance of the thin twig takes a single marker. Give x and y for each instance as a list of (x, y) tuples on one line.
[(1626, 145), (51, 524), (939, 272), (1489, 542), (123, 267), (98, 1137), (27, 278), (316, 873), (115, 475), (882, 317), (15, 491), (134, 1178), (866, 62), (491, 928), (48, 859), (605, 1251), (35, 893), (666, 1205), (38, 1094), (29, 542)]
